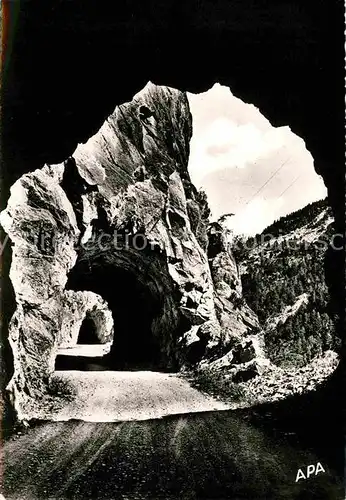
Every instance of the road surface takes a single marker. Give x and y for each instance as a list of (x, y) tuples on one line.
[(105, 396), (207, 456)]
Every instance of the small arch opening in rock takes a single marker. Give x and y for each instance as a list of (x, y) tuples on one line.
[(88, 332), (88, 352), (144, 112)]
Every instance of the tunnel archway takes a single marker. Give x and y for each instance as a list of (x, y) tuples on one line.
[(134, 308), (60, 117), (284, 98), (146, 322)]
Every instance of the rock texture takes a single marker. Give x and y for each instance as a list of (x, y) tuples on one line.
[(42, 226), (123, 205), (235, 316), (277, 383)]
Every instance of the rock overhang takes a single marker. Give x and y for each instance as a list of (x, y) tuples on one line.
[(137, 167)]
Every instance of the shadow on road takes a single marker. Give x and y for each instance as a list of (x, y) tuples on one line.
[(217, 455)]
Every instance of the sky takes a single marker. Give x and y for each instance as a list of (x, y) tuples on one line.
[(245, 165)]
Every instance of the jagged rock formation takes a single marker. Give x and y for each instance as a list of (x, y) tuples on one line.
[(277, 383), (120, 234), (235, 316)]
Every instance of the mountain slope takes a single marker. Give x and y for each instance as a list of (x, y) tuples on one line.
[(283, 282)]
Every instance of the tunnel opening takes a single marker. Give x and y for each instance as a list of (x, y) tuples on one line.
[(89, 340), (137, 305), (134, 306), (88, 332)]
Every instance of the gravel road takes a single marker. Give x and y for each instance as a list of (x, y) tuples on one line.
[(103, 396), (209, 456)]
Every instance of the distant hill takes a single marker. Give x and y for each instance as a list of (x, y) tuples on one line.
[(283, 282), (295, 220)]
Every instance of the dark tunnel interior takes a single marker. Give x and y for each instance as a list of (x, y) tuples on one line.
[(134, 307), (88, 333)]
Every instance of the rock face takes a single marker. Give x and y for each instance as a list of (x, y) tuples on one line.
[(235, 316), (119, 234)]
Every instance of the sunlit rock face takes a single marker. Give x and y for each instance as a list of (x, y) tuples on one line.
[(235, 316), (118, 233)]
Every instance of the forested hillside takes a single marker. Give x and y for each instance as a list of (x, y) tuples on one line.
[(284, 283)]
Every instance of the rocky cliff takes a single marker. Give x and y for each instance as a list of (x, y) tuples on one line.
[(119, 234)]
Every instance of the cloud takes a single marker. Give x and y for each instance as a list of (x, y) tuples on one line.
[(223, 143), (236, 153)]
